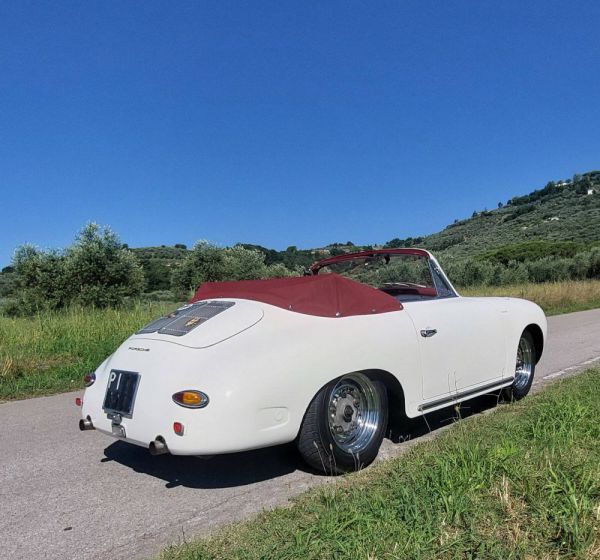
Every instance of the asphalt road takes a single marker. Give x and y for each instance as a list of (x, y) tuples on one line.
[(81, 495)]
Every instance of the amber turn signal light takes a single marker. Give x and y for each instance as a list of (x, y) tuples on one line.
[(191, 399)]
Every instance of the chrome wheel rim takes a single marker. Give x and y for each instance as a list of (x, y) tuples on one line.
[(524, 365), (353, 412)]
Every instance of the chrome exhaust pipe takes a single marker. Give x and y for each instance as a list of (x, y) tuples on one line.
[(158, 447), (86, 424)]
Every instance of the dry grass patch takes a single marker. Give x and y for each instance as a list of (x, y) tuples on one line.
[(552, 297), (13, 367)]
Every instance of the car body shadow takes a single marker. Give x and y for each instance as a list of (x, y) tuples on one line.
[(249, 467), (401, 428), (219, 471)]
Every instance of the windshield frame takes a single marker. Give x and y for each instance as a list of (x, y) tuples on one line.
[(434, 267)]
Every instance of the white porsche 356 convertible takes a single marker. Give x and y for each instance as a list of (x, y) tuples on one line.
[(320, 359)]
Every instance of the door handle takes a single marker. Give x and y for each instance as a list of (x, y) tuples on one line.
[(426, 333)]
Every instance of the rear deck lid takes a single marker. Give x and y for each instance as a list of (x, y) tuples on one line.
[(204, 323)]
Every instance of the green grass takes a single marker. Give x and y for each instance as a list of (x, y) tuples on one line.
[(521, 483), (50, 353)]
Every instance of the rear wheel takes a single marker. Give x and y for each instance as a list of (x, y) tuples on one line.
[(524, 368), (344, 424)]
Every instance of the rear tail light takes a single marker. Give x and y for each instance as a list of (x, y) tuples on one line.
[(88, 379), (178, 428), (79, 401), (191, 399)]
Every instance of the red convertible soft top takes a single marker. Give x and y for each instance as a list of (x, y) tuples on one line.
[(328, 295)]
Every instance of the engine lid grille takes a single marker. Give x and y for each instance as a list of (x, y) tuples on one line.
[(186, 318)]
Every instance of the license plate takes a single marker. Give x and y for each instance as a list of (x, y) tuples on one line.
[(120, 392)]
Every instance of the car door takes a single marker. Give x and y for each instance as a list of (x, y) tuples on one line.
[(461, 343)]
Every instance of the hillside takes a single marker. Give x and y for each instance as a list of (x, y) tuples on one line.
[(562, 211), (158, 262)]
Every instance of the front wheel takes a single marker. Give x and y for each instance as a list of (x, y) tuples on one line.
[(344, 425), (524, 368)]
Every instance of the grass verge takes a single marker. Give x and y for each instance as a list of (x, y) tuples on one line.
[(521, 483), (553, 297), (50, 353)]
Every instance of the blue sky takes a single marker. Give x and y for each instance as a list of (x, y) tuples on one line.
[(286, 123)]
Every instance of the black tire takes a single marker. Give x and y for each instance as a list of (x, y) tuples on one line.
[(526, 355), (316, 441)]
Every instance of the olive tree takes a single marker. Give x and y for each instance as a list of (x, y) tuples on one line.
[(100, 271), (207, 262), (40, 281), (95, 271)]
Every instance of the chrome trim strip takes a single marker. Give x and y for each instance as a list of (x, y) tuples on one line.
[(464, 394)]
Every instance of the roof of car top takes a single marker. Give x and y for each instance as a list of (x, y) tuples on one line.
[(314, 268), (328, 295)]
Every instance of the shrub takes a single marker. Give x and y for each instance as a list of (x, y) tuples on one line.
[(519, 210), (579, 266), (157, 274), (514, 273), (157, 296), (442, 242), (531, 250), (7, 282), (549, 269), (537, 261), (471, 272), (594, 263)]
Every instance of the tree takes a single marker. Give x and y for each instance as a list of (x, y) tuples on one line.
[(40, 280), (157, 274), (100, 272), (96, 270), (7, 284), (395, 243), (243, 264), (207, 262), (204, 263)]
